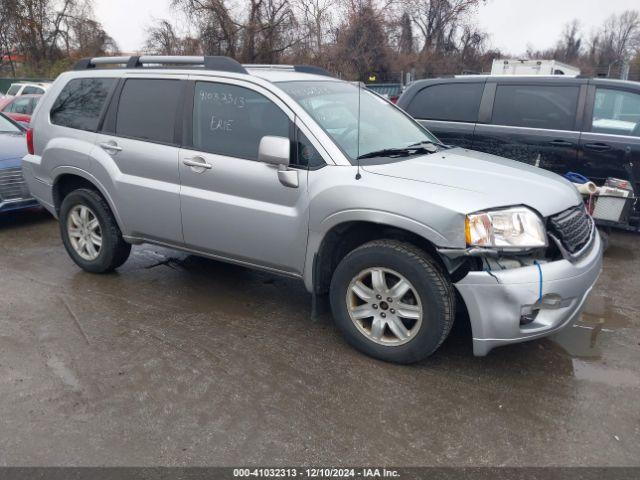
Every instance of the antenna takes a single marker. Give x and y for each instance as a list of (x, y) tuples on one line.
[(358, 176)]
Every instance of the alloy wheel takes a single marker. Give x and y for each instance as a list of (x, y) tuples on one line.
[(85, 233), (384, 306)]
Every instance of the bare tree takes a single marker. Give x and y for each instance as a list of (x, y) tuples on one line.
[(361, 47), (215, 26), (316, 21), (570, 45), (438, 20), (162, 39)]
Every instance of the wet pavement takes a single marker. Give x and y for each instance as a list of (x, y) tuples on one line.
[(177, 360)]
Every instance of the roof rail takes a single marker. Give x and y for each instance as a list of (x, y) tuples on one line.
[(223, 64), (292, 68)]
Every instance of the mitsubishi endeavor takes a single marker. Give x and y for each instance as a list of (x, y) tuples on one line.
[(289, 170)]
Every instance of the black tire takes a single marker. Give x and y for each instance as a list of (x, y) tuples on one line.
[(114, 250), (432, 286)]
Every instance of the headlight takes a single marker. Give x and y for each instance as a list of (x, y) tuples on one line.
[(516, 227)]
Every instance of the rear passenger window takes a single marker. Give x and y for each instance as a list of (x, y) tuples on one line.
[(456, 102), (547, 107), (616, 112), (231, 120), (147, 109), (32, 90), (80, 103)]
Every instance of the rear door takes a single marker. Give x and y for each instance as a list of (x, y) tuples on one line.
[(235, 206), (140, 135), (448, 109), (610, 143), (535, 122)]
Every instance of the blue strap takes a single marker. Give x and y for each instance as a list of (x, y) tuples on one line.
[(540, 273)]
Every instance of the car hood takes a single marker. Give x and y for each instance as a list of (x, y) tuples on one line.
[(494, 181), (13, 147)]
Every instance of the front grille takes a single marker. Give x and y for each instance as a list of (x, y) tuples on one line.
[(573, 228), (12, 185)]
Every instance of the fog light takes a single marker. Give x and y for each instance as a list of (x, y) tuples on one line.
[(529, 318)]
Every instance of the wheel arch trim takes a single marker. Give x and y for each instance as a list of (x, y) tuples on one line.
[(371, 216), (61, 171)]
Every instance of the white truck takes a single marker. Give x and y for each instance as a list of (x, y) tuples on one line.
[(532, 67)]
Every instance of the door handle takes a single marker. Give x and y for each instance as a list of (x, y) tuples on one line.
[(110, 147), (598, 147), (561, 143), (197, 162)]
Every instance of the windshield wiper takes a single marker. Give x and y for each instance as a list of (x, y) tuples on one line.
[(426, 142), (424, 147)]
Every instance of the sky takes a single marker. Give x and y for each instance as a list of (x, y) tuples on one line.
[(513, 25)]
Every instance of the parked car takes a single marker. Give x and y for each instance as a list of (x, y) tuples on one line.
[(14, 193), (298, 173), (25, 88), (390, 91), (20, 108), (588, 126)]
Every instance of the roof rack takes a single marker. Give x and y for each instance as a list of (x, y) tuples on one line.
[(295, 68), (219, 63)]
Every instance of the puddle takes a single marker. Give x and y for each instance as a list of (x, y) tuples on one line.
[(601, 374), (601, 311), (579, 341), (619, 252)]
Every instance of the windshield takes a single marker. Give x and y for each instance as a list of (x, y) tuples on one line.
[(7, 126), (334, 106), (14, 89)]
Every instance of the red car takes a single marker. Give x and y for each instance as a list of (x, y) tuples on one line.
[(19, 108)]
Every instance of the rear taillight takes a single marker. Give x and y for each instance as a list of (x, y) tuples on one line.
[(30, 141)]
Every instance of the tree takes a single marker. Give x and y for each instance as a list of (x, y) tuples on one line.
[(361, 45), (162, 39), (405, 43), (438, 20), (216, 28), (316, 21), (570, 45)]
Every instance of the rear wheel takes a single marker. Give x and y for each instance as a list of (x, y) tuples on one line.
[(392, 301), (90, 233)]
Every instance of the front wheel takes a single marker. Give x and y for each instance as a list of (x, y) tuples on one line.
[(392, 302)]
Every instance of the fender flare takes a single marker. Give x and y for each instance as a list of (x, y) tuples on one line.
[(317, 236), (69, 170)]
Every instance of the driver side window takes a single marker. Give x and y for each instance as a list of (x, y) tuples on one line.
[(231, 120)]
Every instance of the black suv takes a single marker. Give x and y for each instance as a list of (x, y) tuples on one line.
[(588, 126)]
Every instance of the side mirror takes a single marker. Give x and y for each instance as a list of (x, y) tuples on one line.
[(275, 151)]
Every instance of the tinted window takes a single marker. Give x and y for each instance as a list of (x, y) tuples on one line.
[(306, 154), (616, 112), (32, 90), (20, 105), (14, 89), (457, 102), (147, 109), (231, 120), (80, 103), (549, 107)]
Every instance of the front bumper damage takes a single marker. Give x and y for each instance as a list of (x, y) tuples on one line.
[(554, 292)]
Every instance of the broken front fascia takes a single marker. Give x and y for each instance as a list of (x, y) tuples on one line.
[(527, 296)]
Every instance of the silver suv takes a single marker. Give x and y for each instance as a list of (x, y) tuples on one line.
[(289, 170)]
